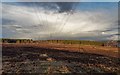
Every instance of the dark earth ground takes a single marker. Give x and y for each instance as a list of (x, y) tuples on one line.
[(46, 61)]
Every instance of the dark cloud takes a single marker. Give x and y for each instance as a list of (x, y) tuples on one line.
[(6, 21), (63, 6), (60, 6), (66, 6)]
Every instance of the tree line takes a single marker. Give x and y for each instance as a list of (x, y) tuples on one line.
[(16, 40), (84, 42)]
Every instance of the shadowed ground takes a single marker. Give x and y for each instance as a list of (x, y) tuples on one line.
[(58, 58)]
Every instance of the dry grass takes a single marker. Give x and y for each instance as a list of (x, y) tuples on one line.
[(108, 51)]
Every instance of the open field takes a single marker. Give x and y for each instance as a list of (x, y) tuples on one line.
[(102, 50), (50, 58)]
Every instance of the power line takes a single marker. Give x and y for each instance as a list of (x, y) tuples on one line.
[(67, 19), (64, 23), (40, 17), (37, 14), (56, 22), (61, 25)]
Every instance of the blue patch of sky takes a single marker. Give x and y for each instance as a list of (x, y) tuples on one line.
[(62, 0), (90, 6), (78, 6)]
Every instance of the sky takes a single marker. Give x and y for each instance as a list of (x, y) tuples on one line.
[(60, 0), (60, 20)]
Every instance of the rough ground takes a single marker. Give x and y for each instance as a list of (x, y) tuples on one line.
[(49, 58)]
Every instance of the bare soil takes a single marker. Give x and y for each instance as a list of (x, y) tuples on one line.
[(50, 58)]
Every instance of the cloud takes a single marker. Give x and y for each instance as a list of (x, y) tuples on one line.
[(43, 23)]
